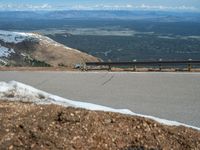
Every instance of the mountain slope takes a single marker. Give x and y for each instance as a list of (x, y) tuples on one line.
[(31, 49), (160, 16)]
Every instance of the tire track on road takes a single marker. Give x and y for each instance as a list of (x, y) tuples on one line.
[(107, 81)]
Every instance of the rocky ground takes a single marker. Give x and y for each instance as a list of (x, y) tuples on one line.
[(3, 68), (30, 126), (36, 69)]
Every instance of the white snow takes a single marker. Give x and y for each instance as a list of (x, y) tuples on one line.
[(12, 37), (3, 62), (15, 91), (18, 37), (5, 52)]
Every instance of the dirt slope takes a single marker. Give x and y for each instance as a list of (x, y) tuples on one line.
[(56, 54), (30, 126)]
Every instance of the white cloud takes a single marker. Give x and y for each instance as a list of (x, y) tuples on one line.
[(135, 7), (160, 7), (96, 7), (25, 7)]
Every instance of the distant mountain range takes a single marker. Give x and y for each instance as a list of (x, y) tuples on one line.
[(31, 49), (83, 14)]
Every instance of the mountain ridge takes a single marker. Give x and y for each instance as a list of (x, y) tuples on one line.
[(27, 49), (161, 16)]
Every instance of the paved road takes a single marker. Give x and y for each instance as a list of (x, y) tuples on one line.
[(174, 96)]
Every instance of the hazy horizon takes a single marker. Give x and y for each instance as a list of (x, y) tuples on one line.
[(50, 5)]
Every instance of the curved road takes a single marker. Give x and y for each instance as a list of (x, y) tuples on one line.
[(174, 96)]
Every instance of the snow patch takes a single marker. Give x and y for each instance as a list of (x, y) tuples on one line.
[(5, 52), (18, 37), (3, 62), (15, 91), (12, 37)]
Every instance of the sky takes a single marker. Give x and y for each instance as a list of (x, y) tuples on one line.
[(165, 5)]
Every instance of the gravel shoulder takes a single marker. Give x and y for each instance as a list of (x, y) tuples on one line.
[(31, 126), (141, 69)]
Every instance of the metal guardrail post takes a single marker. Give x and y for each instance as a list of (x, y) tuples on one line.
[(132, 65), (160, 67), (109, 67), (189, 67), (135, 68)]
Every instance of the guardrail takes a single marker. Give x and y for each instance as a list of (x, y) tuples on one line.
[(134, 64)]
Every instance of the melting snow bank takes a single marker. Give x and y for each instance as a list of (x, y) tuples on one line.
[(15, 91)]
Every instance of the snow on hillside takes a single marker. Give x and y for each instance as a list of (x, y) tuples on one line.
[(5, 52), (12, 37), (18, 37), (15, 91)]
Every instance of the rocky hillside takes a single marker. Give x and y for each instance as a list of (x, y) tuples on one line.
[(31, 49)]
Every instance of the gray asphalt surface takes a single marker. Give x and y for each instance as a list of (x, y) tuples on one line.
[(173, 96)]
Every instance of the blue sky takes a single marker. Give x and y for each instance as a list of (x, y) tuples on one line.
[(173, 5)]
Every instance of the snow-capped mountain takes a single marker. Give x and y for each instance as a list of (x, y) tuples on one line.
[(32, 49)]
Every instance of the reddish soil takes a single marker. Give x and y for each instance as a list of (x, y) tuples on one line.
[(30, 126), (2, 68), (36, 69)]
